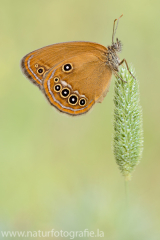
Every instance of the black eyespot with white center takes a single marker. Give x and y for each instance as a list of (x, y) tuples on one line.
[(57, 88), (65, 92), (67, 67), (82, 102), (56, 79), (40, 70), (73, 99)]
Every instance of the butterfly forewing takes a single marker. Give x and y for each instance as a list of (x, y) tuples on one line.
[(37, 63)]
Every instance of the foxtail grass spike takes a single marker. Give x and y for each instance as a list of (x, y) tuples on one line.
[(128, 132)]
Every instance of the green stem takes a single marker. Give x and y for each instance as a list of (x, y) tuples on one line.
[(126, 192)]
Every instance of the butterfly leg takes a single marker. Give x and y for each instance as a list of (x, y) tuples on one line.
[(124, 60), (119, 76)]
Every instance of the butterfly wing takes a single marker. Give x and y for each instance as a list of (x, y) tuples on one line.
[(74, 85), (76, 89), (37, 63)]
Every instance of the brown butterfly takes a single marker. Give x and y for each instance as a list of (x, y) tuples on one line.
[(74, 75)]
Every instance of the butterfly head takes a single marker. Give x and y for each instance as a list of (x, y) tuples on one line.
[(117, 46)]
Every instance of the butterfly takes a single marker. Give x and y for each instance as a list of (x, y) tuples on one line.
[(74, 75)]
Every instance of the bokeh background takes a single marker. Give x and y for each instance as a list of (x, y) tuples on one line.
[(58, 171)]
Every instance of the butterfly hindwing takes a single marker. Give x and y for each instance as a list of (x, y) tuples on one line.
[(74, 85)]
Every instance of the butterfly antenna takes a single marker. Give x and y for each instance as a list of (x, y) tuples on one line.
[(114, 30)]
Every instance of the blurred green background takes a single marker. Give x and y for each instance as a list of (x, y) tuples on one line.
[(58, 171)]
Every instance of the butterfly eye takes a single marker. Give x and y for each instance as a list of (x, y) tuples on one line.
[(67, 67), (56, 79), (57, 88), (73, 99), (82, 102), (65, 92), (40, 70)]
